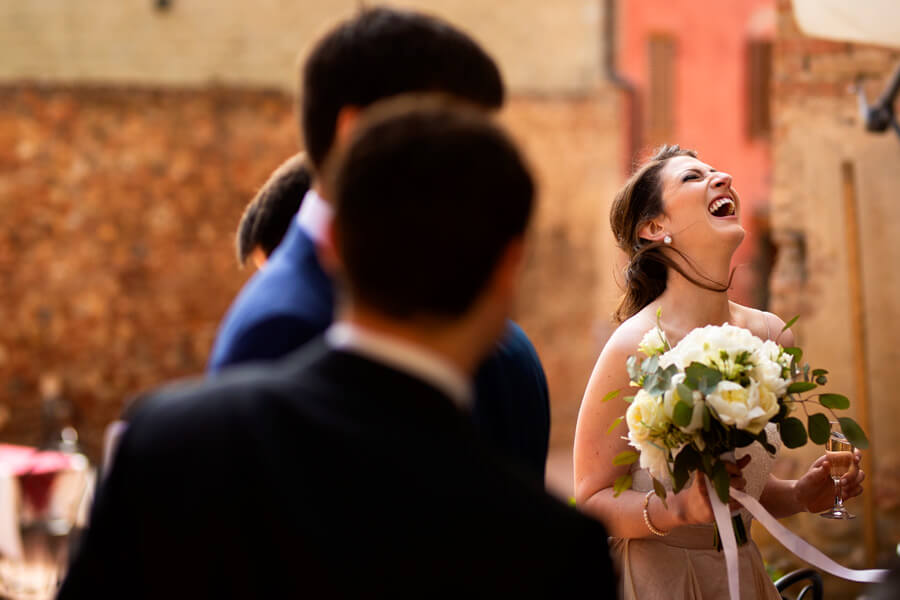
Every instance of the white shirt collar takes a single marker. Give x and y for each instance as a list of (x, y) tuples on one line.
[(403, 356), (314, 215)]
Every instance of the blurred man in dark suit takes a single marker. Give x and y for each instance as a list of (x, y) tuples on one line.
[(350, 468), (378, 54)]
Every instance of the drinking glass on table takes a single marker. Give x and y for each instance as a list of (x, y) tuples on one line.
[(840, 454)]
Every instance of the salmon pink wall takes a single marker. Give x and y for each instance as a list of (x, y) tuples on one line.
[(710, 112)]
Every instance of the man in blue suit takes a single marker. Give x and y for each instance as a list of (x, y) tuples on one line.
[(378, 54)]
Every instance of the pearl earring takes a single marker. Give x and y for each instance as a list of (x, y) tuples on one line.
[(667, 240)]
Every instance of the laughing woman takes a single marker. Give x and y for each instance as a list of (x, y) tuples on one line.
[(679, 222)]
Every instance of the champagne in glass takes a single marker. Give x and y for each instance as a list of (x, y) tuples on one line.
[(839, 452)]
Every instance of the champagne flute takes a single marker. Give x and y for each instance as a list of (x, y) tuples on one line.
[(840, 454)]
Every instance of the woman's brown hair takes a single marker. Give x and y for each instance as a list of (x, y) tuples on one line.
[(637, 203)]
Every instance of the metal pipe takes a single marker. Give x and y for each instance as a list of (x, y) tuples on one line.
[(633, 132)]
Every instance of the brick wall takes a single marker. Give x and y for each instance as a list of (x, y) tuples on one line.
[(818, 136)]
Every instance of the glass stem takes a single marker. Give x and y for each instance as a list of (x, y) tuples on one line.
[(838, 500)]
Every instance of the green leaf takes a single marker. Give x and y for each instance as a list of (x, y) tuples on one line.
[(685, 394), (763, 439), (625, 458), (835, 401), (610, 395), (819, 372), (614, 425), (721, 481), (628, 399), (821, 380), (796, 354), (700, 377), (688, 460), (660, 490), (682, 414), (793, 433), (634, 371), (622, 483), (854, 432), (798, 387), (650, 365), (819, 428), (707, 418), (789, 323)]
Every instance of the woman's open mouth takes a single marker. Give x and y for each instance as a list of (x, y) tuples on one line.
[(721, 207)]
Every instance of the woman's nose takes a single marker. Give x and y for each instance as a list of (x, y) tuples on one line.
[(721, 180)]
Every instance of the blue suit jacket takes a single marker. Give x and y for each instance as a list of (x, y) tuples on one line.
[(291, 301)]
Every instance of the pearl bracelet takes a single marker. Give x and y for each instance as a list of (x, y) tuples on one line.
[(647, 522)]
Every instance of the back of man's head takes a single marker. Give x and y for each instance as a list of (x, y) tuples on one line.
[(429, 196), (384, 52), (267, 217)]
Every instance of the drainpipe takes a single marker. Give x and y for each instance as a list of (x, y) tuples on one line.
[(633, 132)]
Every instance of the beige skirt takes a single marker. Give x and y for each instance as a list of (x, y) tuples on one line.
[(684, 565)]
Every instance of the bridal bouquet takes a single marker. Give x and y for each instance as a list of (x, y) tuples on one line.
[(716, 391)]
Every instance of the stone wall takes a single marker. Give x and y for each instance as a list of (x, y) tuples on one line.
[(541, 46), (828, 169), (119, 207)]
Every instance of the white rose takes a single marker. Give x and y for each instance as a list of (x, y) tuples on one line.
[(763, 406), (654, 459), (644, 415), (729, 401), (768, 374), (653, 342)]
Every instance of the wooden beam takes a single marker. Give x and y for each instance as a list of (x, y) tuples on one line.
[(860, 355)]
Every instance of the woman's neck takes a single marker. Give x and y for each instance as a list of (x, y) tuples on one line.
[(686, 305)]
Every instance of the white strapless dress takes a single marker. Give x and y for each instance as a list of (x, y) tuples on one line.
[(685, 565)]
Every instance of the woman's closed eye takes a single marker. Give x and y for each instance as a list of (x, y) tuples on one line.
[(691, 175)]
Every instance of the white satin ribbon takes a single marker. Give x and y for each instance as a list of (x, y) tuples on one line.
[(800, 547), (729, 544)]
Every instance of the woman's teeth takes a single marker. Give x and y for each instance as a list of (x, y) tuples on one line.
[(723, 207)]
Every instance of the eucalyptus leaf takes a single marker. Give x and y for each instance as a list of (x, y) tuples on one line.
[(707, 419), (650, 365), (680, 475), (763, 439), (798, 387), (721, 481), (682, 414), (854, 432), (793, 433), (819, 372), (622, 483), (685, 394), (835, 401), (625, 458), (634, 370), (701, 377), (628, 399), (819, 428), (660, 490)]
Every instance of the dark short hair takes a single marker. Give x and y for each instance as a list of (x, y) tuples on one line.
[(267, 217), (428, 195), (384, 52)]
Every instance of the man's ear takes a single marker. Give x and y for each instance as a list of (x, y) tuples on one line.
[(347, 119), (654, 230), (509, 268), (327, 252)]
